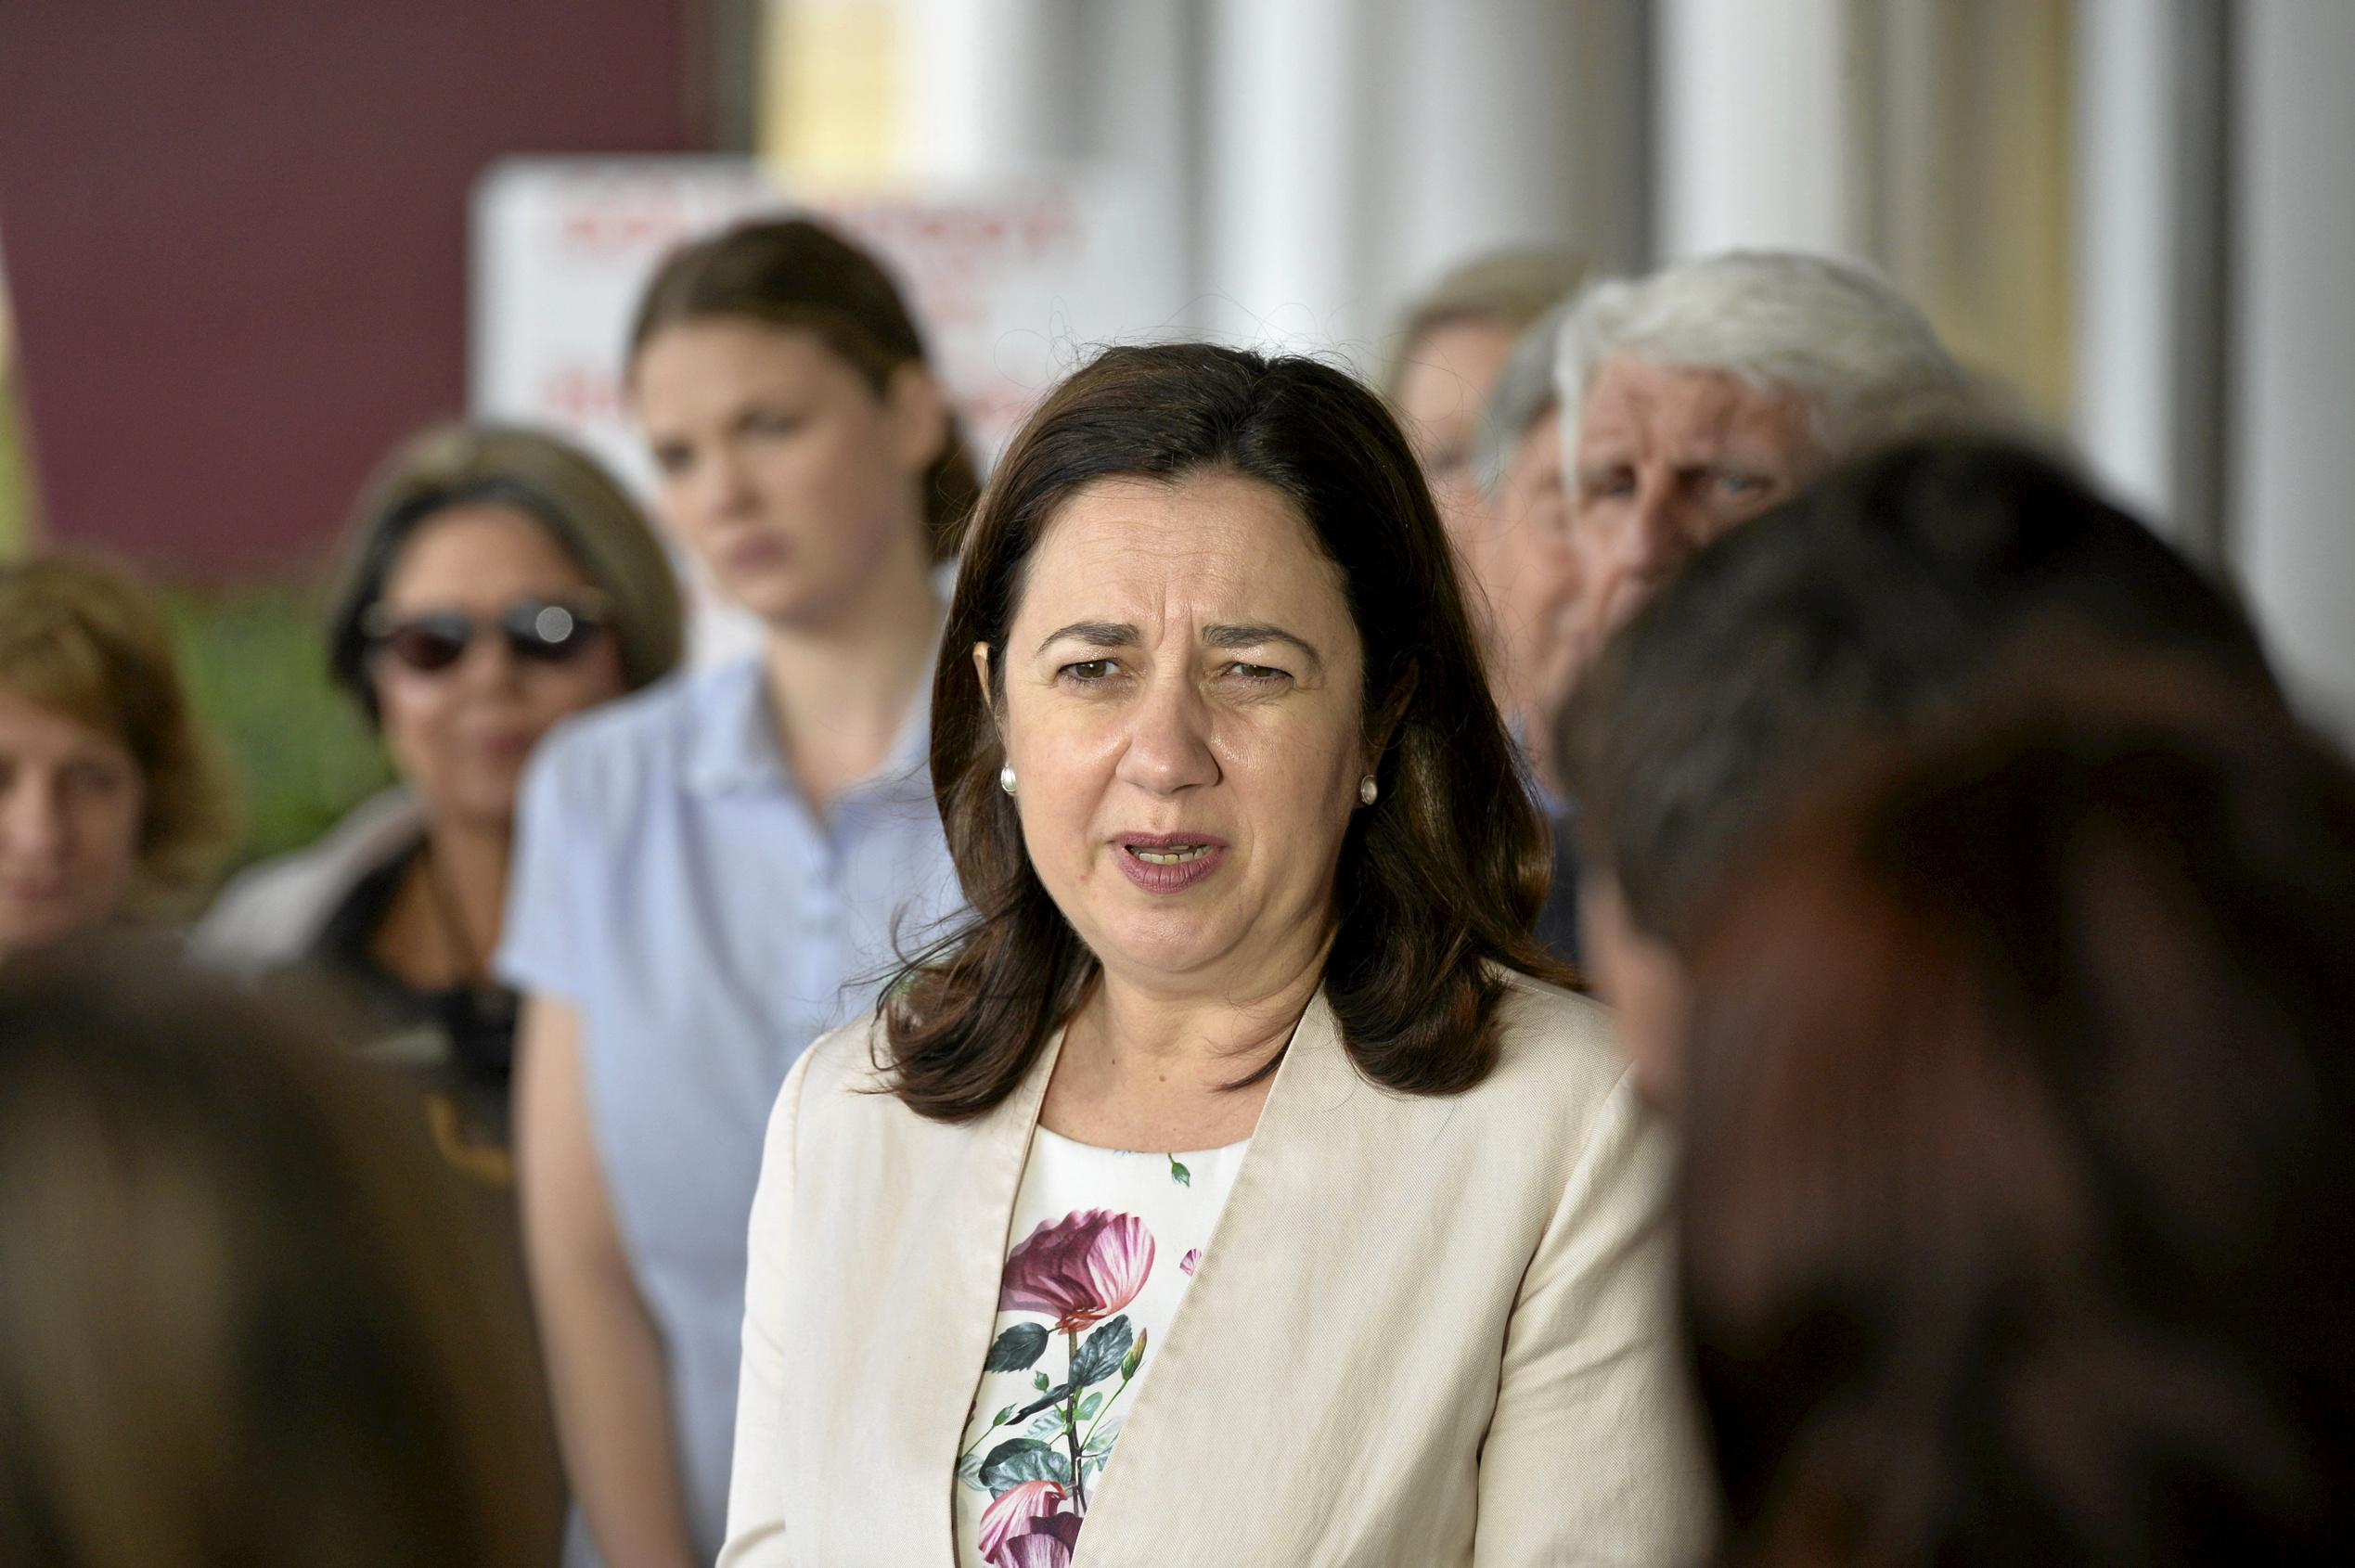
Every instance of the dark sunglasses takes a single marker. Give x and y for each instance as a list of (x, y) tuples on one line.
[(539, 631)]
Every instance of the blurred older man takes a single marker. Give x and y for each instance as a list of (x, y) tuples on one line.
[(1697, 397)]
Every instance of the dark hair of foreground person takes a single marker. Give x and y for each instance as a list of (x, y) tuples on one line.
[(2019, 1217), (234, 1331)]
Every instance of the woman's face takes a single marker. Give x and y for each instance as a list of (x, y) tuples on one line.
[(460, 734), (1443, 388), (782, 469), (72, 801), (1181, 710)]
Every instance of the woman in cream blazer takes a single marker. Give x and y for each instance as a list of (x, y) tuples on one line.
[(1233, 1189)]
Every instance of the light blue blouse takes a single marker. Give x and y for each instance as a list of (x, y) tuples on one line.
[(675, 887)]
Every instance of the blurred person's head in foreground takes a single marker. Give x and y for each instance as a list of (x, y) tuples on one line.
[(494, 581), (806, 455), (1447, 354), (1524, 569), (2019, 1212), (232, 1328), (1876, 599), (111, 803), (1700, 395)]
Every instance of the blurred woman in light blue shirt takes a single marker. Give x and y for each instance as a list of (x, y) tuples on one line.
[(711, 874)]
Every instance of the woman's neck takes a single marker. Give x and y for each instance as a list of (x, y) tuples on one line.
[(1147, 1065), (838, 693), (446, 917)]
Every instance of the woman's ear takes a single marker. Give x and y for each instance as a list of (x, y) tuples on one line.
[(919, 416)]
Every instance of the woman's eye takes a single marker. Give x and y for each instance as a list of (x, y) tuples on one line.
[(1258, 674), (773, 424), (94, 780), (673, 460), (1739, 483), (1091, 670)]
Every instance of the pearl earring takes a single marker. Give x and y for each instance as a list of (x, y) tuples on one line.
[(1368, 789), (1006, 779)]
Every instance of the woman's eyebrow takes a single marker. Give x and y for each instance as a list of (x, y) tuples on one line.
[(1259, 636), (1093, 634)]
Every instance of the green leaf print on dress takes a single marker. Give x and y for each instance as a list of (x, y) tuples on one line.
[(1078, 1272)]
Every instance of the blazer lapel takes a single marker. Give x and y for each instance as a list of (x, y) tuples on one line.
[(976, 1244), (1283, 1166)]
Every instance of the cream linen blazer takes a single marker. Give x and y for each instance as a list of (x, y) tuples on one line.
[(1424, 1331)]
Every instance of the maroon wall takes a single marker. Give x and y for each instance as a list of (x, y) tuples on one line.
[(235, 232)]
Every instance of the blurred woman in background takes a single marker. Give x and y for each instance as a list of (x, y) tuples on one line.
[(493, 582), (2019, 1222), (711, 874), (232, 1327), (111, 804)]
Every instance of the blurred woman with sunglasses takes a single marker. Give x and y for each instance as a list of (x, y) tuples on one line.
[(712, 875), (494, 581)]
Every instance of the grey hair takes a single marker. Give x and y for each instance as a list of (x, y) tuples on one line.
[(1525, 394), (1861, 358)]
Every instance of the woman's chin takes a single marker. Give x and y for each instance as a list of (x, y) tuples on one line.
[(1163, 948)]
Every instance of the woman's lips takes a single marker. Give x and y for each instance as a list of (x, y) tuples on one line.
[(755, 553), (1169, 862)]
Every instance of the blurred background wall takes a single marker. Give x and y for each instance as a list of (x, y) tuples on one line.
[(236, 234)]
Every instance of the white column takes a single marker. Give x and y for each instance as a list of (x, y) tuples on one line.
[(990, 87), (1356, 148), (1757, 127), (2293, 432), (1285, 229), (2126, 249)]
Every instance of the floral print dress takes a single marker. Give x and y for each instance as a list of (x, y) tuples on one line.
[(1105, 1242)]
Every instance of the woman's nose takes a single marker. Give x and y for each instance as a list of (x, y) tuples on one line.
[(1169, 738), (489, 661), (33, 819)]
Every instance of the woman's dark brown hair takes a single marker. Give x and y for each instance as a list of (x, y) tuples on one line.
[(2019, 1219), (1437, 882), (795, 274), (238, 1322)]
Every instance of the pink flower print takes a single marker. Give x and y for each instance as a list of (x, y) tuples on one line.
[(1186, 1264), (1048, 1547), (1015, 1510), (1078, 1270)]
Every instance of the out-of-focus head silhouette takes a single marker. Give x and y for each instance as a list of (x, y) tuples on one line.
[(110, 799), (1450, 350), (234, 1328), (2019, 1216), (1875, 599)]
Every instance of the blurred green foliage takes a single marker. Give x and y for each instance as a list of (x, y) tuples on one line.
[(256, 665)]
